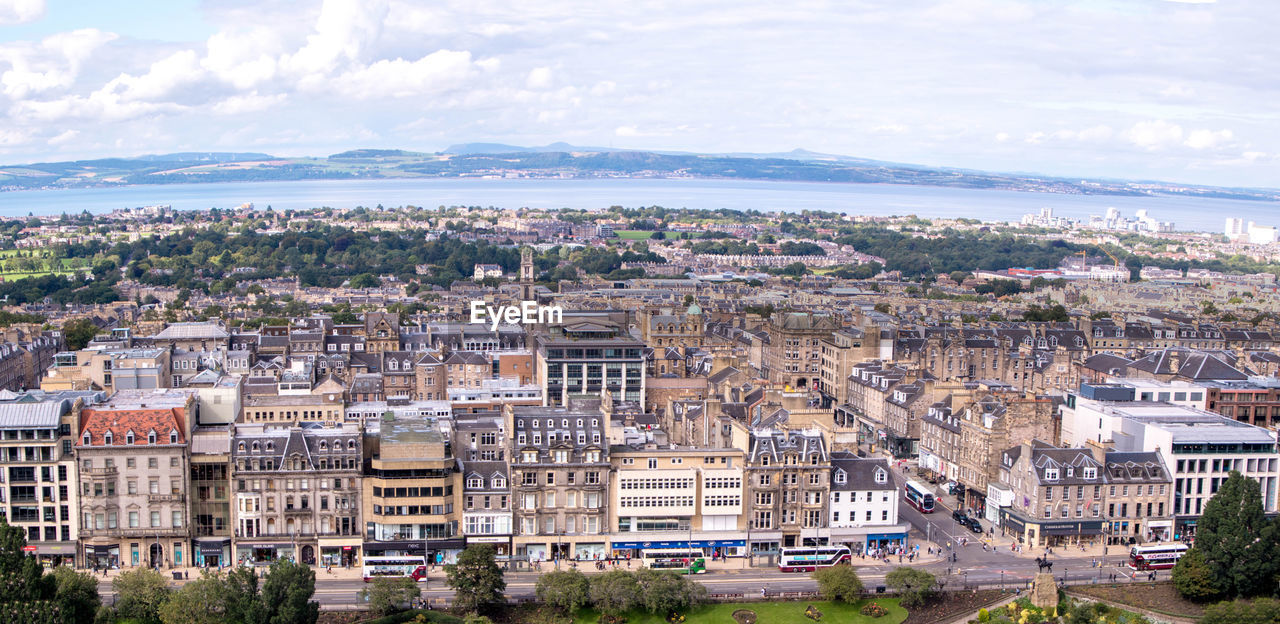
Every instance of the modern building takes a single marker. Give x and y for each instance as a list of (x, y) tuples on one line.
[(41, 495), (589, 356)]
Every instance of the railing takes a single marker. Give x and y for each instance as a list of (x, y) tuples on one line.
[(166, 498)]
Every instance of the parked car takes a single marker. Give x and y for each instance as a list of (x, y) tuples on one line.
[(960, 517)]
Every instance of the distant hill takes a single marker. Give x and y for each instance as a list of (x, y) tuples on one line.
[(560, 160)]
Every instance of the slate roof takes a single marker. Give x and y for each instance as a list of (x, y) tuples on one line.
[(859, 473)]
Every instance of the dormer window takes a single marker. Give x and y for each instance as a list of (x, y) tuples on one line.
[(271, 447), (1051, 474), (841, 477), (151, 437), (475, 483), (881, 476), (173, 436), (1071, 471), (128, 437), (1090, 472), (499, 483), (107, 438), (87, 438), (764, 460), (240, 447), (351, 445)]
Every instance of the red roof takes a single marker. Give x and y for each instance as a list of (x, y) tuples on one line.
[(97, 422)]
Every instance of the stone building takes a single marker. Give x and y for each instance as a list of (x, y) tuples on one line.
[(787, 481)]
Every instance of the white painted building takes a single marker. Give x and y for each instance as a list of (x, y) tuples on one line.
[(863, 504)]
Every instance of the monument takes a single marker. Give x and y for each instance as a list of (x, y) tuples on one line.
[(1044, 591)]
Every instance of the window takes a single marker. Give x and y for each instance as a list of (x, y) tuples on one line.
[(155, 519), (151, 438)]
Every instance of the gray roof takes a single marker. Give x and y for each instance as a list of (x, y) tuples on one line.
[(191, 331), (42, 415)]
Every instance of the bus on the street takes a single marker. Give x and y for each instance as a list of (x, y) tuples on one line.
[(682, 560), (1156, 556), (810, 559), (919, 496), (412, 567)]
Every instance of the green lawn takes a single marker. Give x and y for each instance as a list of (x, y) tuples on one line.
[(767, 613), (640, 234)]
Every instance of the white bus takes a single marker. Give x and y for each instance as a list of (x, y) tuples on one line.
[(810, 559), (683, 560), (1156, 556), (412, 567), (919, 496)]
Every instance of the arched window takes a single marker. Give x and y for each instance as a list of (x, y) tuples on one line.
[(256, 448), (271, 447), (351, 445), (151, 437), (324, 446), (240, 447)]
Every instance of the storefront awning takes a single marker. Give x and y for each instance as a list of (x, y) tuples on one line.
[(680, 544)]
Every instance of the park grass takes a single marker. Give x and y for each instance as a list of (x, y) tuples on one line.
[(639, 234), (766, 613)]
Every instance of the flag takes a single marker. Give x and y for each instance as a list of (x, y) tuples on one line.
[(1026, 502)]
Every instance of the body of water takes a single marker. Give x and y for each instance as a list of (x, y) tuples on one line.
[(859, 199)]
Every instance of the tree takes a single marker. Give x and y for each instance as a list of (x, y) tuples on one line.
[(614, 592), (78, 333), (1237, 541), (242, 602), (839, 582), (664, 591), (202, 601), (959, 276), (363, 280), (140, 594), (1194, 579), (914, 586), (77, 594), (386, 595), (286, 594), (475, 579), (1257, 611), (568, 590)]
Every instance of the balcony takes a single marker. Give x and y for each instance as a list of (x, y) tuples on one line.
[(103, 472), (166, 498)]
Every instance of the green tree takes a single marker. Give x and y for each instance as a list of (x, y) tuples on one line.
[(1194, 579), (78, 333), (476, 578), (567, 590), (1257, 611), (839, 582), (363, 280), (202, 601), (140, 594), (242, 602), (286, 594), (664, 591), (387, 595), (77, 594), (959, 276), (1238, 542), (614, 592), (914, 586)]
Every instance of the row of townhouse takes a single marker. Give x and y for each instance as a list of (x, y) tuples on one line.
[(138, 478)]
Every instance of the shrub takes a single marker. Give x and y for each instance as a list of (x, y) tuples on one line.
[(873, 609)]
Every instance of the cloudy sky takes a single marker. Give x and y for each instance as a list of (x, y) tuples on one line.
[(1162, 89)]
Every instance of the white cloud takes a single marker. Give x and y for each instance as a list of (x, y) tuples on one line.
[(64, 138), (1002, 137), (539, 78), (249, 103), (243, 59), (161, 80), (1154, 135), (54, 63), (1208, 139), (344, 32), (20, 11), (437, 72)]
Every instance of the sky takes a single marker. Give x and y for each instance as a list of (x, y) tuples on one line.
[(1181, 91)]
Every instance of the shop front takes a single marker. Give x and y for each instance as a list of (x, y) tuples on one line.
[(1050, 533), (887, 539), (343, 552), (53, 554), (212, 552), (265, 553), (102, 556), (716, 548), (1159, 530), (435, 552), (501, 544), (1184, 528)]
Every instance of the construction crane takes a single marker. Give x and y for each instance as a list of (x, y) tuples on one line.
[(1111, 255)]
